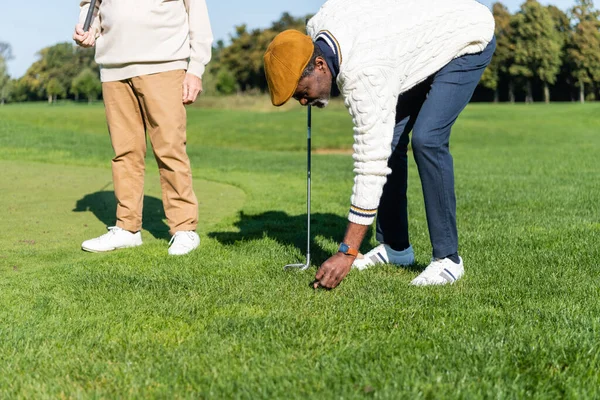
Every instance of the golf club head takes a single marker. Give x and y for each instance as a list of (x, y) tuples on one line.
[(301, 267)]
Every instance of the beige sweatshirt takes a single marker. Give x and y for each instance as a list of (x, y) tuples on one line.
[(141, 37)]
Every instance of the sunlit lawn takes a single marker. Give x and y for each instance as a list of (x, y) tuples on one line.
[(228, 322)]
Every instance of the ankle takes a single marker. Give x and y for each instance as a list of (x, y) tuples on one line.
[(401, 246), (453, 257)]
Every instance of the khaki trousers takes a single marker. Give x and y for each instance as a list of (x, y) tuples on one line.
[(150, 104)]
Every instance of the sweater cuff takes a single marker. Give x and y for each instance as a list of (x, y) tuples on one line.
[(196, 68), (361, 216)]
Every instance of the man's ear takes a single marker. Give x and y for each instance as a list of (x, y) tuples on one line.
[(320, 64)]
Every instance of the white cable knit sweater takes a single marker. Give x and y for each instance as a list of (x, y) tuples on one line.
[(386, 48)]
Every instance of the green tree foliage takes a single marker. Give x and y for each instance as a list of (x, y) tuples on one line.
[(562, 23), (584, 49), (226, 83), (59, 63), (6, 51), (54, 89), (243, 58), (502, 59), (537, 47), (87, 84), (5, 82)]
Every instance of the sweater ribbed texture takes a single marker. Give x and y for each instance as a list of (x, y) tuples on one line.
[(141, 37), (388, 47)]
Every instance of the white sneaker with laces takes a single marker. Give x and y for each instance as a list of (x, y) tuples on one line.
[(440, 272), (116, 238), (183, 242), (384, 254)]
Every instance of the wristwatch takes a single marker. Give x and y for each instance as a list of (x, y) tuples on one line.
[(347, 250)]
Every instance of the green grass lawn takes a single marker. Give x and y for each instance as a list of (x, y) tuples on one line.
[(227, 322)]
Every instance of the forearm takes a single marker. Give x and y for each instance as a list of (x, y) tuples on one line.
[(355, 234), (201, 37), (373, 112)]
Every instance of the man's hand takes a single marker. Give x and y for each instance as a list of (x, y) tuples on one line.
[(83, 39), (333, 271), (192, 87)]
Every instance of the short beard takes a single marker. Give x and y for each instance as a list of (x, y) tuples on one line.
[(320, 103)]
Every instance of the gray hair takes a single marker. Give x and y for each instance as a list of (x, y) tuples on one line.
[(310, 68)]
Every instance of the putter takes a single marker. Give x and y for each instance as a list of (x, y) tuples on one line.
[(89, 16), (304, 267)]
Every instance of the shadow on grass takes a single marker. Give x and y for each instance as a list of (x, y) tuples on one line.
[(104, 207), (286, 229)]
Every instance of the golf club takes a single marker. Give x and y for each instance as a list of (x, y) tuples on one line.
[(304, 267), (89, 16)]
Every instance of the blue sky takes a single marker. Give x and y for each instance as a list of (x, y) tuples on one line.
[(34, 24)]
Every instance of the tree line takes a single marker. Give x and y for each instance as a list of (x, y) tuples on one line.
[(545, 50), (543, 53)]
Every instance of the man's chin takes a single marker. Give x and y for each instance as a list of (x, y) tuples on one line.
[(320, 103)]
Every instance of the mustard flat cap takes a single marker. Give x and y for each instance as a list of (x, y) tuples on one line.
[(285, 59)]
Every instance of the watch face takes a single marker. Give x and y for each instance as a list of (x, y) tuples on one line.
[(343, 248)]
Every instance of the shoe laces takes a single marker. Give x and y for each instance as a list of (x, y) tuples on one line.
[(181, 233), (112, 230), (436, 264)]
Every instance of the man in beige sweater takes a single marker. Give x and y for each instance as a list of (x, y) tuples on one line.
[(152, 55)]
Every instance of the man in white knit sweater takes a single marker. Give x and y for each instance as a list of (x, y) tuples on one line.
[(152, 55), (401, 66)]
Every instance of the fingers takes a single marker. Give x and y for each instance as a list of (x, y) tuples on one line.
[(89, 40), (333, 271), (192, 94), (83, 39), (327, 278), (318, 277), (328, 282), (185, 91), (80, 38), (192, 87)]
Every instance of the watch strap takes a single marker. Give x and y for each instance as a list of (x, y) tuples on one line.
[(347, 250)]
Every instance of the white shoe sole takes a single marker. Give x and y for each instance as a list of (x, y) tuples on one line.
[(89, 250), (182, 254)]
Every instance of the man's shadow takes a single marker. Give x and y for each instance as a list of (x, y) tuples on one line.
[(104, 207), (286, 229)]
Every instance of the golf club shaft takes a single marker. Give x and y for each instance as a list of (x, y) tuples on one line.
[(304, 267), (89, 16), (308, 169)]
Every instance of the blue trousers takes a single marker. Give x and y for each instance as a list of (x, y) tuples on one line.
[(429, 110)]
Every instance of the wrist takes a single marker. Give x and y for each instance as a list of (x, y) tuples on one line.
[(347, 250)]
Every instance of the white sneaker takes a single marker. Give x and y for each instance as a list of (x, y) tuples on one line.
[(440, 272), (116, 238), (384, 254), (183, 242)]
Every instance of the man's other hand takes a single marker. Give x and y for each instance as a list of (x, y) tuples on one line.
[(192, 87)]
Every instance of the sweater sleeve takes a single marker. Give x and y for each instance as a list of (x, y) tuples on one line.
[(84, 6), (372, 104), (201, 37)]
